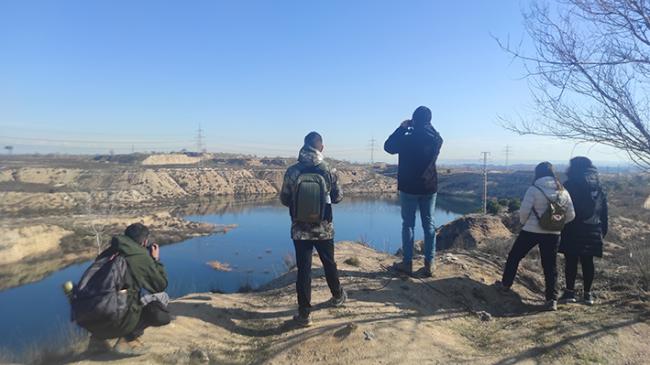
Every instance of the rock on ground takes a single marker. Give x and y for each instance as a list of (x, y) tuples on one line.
[(470, 231)]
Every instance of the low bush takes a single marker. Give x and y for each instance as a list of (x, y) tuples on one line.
[(639, 262), (352, 261)]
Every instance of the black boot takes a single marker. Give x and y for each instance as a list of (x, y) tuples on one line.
[(427, 270), (569, 296)]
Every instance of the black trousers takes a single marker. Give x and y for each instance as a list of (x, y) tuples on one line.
[(153, 314), (571, 271), (304, 251), (548, 246)]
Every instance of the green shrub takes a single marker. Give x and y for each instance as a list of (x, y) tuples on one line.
[(493, 207), (514, 205)]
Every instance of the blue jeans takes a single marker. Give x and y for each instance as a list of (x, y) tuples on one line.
[(427, 205)]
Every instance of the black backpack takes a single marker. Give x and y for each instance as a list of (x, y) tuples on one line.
[(596, 207), (100, 301)]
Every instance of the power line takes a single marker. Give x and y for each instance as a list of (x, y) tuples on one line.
[(87, 141), (507, 152), (485, 180), (199, 140), (200, 149)]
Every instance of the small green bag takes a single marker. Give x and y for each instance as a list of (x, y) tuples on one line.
[(554, 217)]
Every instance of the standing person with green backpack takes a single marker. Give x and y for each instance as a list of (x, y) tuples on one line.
[(309, 189), (544, 211)]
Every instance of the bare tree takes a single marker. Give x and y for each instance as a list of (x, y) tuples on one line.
[(589, 74), (96, 220), (97, 213)]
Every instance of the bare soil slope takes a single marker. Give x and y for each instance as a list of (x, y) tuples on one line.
[(455, 317), (36, 190), (32, 248), (171, 159)]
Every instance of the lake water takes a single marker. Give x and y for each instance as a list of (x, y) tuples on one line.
[(255, 250)]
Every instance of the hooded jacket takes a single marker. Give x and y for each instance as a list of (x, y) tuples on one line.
[(143, 273), (312, 159), (418, 150), (534, 198), (584, 236)]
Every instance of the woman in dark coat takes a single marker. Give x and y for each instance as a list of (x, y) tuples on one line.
[(582, 239)]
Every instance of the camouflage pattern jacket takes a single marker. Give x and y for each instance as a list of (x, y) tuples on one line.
[(310, 157)]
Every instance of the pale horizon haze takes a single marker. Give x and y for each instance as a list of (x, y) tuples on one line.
[(91, 77)]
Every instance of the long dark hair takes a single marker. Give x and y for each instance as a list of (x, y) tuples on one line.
[(545, 169), (578, 166)]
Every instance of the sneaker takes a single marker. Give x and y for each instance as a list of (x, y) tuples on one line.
[(133, 347), (427, 270), (340, 301), (302, 320), (97, 346), (405, 267), (500, 287), (551, 305), (569, 296), (589, 298)]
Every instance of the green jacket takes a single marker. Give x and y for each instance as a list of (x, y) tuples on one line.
[(145, 273)]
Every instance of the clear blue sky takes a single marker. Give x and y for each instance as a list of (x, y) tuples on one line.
[(88, 76)]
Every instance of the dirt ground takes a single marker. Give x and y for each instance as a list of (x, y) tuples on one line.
[(456, 317)]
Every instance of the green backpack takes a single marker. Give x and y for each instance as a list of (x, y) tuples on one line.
[(554, 217), (309, 198)]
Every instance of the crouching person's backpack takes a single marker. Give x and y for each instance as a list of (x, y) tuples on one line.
[(99, 302), (309, 198)]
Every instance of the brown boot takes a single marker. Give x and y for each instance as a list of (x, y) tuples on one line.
[(133, 347), (405, 267), (97, 346)]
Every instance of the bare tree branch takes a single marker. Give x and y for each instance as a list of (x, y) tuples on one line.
[(589, 73)]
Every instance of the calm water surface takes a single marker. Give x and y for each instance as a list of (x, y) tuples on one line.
[(255, 250)]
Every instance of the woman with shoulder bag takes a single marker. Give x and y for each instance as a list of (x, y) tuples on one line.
[(544, 211)]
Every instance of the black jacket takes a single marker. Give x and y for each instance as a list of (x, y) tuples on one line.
[(418, 150), (584, 235)]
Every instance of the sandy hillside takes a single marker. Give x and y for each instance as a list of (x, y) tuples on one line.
[(20, 243), (455, 317), (37, 190), (30, 249), (171, 159)]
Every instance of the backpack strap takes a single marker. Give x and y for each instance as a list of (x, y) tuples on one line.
[(557, 201), (543, 193), (321, 169)]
